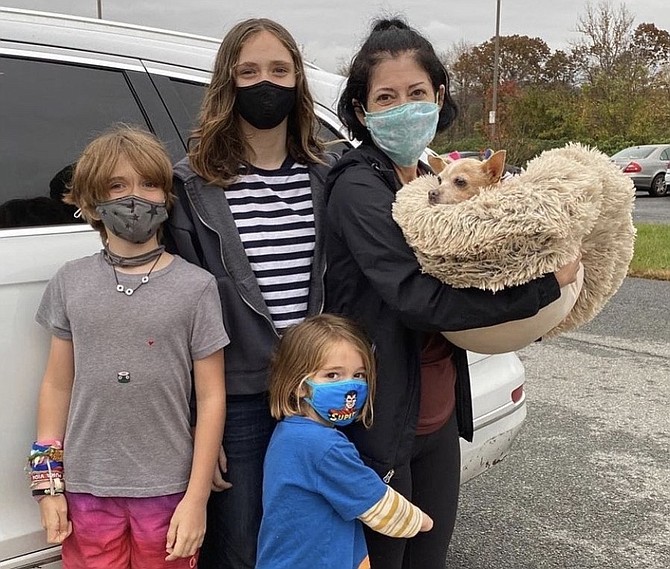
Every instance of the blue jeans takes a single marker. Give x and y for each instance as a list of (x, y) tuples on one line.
[(234, 515)]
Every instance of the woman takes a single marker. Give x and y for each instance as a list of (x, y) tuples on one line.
[(396, 97), (249, 210)]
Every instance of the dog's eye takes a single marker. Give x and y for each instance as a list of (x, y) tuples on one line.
[(439, 179), (460, 182)]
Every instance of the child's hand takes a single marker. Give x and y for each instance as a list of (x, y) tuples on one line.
[(426, 522), (221, 467), (53, 511), (187, 529)]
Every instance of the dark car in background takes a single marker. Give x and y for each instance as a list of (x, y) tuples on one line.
[(646, 166)]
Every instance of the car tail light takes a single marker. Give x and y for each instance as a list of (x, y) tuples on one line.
[(517, 394), (633, 167)]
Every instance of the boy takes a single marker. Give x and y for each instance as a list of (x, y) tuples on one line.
[(129, 325)]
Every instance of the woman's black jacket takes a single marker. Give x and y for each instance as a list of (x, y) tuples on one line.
[(373, 277)]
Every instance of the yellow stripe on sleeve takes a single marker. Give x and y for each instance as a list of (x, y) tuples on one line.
[(393, 515)]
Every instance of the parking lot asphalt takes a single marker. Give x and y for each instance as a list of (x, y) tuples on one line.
[(587, 484), (651, 210)]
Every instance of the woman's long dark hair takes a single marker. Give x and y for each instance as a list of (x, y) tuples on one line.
[(388, 39)]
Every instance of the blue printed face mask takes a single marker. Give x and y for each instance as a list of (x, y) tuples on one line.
[(338, 403), (403, 132)]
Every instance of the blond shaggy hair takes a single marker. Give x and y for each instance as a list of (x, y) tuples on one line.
[(94, 169), (303, 350)]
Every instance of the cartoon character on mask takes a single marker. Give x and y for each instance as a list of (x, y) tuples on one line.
[(338, 403)]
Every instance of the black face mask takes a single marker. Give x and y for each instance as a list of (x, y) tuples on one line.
[(264, 105)]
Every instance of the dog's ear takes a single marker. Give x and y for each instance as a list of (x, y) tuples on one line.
[(495, 166), (436, 163)]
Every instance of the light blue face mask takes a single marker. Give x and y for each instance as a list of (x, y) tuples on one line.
[(403, 132)]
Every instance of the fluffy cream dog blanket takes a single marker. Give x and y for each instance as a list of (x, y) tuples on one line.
[(568, 200)]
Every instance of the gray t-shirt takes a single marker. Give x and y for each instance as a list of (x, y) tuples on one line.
[(128, 430)]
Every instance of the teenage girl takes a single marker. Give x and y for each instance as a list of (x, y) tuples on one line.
[(316, 489), (250, 209)]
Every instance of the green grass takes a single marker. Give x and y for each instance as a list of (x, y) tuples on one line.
[(652, 252)]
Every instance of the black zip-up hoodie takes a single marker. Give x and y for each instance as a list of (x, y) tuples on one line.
[(374, 277), (201, 229)]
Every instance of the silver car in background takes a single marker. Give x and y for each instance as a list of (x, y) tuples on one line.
[(62, 81), (646, 166)]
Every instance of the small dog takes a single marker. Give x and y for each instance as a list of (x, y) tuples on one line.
[(464, 178)]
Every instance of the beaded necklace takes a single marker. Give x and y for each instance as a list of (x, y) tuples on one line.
[(145, 279)]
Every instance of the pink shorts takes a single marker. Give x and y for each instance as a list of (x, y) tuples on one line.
[(120, 533)]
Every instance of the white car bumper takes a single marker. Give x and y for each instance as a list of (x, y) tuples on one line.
[(491, 443), (499, 407)]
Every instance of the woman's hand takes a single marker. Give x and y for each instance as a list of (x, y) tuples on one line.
[(567, 274), (53, 511)]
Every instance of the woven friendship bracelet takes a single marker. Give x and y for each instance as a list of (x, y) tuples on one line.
[(40, 453), (45, 466), (51, 453)]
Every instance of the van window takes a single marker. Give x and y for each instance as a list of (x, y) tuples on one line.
[(189, 96), (49, 111)]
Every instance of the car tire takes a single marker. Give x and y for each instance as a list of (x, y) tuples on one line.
[(658, 187)]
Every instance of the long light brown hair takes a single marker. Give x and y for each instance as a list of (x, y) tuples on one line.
[(217, 146), (303, 350)]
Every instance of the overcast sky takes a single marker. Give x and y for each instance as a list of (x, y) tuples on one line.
[(329, 32)]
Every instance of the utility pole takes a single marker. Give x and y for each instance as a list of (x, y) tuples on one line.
[(496, 65), (99, 9)]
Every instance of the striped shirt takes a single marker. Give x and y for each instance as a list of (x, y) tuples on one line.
[(274, 216), (393, 515)]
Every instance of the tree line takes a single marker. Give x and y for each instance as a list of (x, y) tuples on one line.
[(611, 89)]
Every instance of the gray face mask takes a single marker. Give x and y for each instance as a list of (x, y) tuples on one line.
[(132, 218)]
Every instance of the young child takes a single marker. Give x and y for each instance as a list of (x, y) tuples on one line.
[(315, 486), (129, 485)]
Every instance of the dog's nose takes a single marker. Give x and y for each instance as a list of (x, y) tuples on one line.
[(433, 196)]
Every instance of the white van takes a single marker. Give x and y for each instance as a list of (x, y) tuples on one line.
[(64, 80)]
